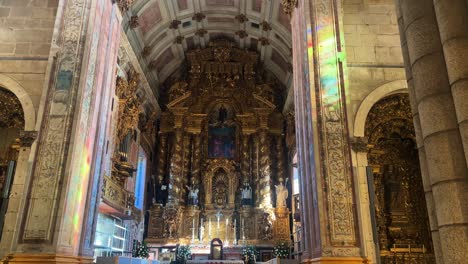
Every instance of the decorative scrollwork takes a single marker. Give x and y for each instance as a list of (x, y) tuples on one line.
[(12, 115)]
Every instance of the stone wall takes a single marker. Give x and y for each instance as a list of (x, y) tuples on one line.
[(26, 28), (373, 49)]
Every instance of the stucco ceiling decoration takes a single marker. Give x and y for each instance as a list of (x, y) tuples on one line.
[(168, 28)]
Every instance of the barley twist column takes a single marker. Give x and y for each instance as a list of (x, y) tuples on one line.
[(265, 169), (187, 147), (245, 166), (196, 159), (162, 157), (175, 174), (280, 158), (255, 169), (440, 134)]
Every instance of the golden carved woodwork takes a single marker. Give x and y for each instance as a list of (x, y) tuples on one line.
[(401, 214), (116, 195), (124, 5), (12, 115), (289, 6), (222, 90), (129, 104)]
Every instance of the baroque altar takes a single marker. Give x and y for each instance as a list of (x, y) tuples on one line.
[(221, 155)]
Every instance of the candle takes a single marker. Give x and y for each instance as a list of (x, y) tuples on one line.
[(209, 228), (227, 228), (193, 229)]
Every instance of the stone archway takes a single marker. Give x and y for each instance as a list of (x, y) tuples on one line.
[(399, 86), (26, 102)]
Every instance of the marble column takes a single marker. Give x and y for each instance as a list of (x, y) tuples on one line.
[(55, 221), (434, 227), (452, 20), (327, 197), (437, 129)]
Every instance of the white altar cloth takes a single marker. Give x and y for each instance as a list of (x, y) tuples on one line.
[(214, 261)]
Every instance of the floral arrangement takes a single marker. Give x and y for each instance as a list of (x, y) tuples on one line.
[(140, 250), (183, 253), (249, 252), (281, 250)]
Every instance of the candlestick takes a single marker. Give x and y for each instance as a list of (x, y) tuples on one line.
[(227, 230), (209, 229), (235, 231), (193, 230)]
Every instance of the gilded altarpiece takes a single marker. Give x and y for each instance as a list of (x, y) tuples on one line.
[(218, 160), (401, 214)]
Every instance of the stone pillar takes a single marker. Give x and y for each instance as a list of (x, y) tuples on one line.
[(434, 227), (265, 170), (359, 156), (55, 224), (327, 197), (452, 18), (18, 193), (437, 128)]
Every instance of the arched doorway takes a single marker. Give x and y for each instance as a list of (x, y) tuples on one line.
[(400, 208), (11, 123)]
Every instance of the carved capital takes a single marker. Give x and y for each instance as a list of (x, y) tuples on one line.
[(201, 32), (264, 41), (359, 144), (178, 40), (27, 138)]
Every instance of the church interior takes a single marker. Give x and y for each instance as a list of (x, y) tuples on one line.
[(234, 131)]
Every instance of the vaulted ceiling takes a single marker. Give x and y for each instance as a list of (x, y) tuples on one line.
[(161, 31)]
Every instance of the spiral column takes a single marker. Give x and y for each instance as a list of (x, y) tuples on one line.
[(265, 169)]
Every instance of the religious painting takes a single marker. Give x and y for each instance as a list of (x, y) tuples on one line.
[(221, 142)]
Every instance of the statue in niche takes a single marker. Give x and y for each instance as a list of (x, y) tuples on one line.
[(281, 194), (222, 115), (192, 194), (266, 228), (246, 192)]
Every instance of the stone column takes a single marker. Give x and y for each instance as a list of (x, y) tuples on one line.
[(419, 140), (438, 128), (452, 18), (18, 193), (359, 156), (327, 197), (55, 223)]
